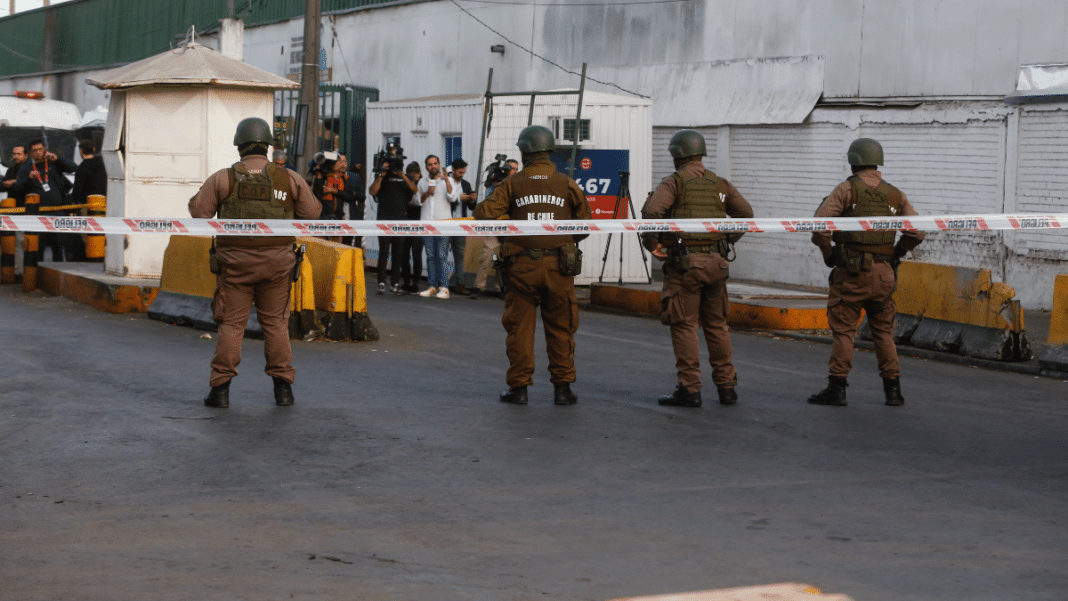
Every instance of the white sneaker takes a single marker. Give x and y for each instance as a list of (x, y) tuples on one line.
[(381, 287), (428, 292), (443, 293)]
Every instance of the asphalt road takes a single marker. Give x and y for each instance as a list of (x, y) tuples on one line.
[(399, 476)]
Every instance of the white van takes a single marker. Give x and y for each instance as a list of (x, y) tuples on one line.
[(26, 116)]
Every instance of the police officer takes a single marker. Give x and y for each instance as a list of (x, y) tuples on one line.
[(864, 271), (541, 268), (253, 269), (695, 268)]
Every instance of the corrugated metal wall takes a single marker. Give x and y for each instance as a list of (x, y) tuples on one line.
[(107, 32), (1042, 180), (949, 168), (783, 171), (663, 165)]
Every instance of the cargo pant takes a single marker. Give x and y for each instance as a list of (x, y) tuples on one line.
[(699, 297), (490, 247), (873, 292), (247, 276), (539, 280)]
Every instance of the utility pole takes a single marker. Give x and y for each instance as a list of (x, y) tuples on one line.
[(309, 81)]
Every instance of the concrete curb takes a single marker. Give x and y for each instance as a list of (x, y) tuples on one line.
[(744, 314), (96, 290)]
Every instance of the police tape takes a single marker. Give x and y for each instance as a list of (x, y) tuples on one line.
[(460, 227)]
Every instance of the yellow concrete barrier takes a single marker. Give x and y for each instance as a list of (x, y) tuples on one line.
[(328, 298), (960, 310), (303, 320), (340, 290), (1058, 318), (1054, 356), (957, 294)]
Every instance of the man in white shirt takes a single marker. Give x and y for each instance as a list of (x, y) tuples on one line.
[(436, 193)]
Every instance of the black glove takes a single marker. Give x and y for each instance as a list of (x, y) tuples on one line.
[(830, 256)]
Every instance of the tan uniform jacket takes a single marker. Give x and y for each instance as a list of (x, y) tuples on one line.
[(667, 193), (205, 204), (537, 192), (835, 205)]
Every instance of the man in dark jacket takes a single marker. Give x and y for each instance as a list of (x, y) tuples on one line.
[(91, 177), (43, 175)]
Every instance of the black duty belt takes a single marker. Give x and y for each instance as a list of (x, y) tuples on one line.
[(702, 248), (537, 253)]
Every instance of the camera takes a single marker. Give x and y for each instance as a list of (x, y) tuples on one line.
[(498, 170), (323, 162), (392, 154)]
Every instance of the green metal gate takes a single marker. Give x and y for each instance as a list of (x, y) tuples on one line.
[(342, 117)]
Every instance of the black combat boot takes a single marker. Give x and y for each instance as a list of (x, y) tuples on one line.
[(681, 398), (516, 395), (727, 396), (892, 388), (834, 394), (562, 394), (283, 392), (218, 396)]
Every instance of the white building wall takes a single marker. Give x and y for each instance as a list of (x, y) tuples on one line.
[(784, 171), (664, 165), (1034, 259), (946, 169)]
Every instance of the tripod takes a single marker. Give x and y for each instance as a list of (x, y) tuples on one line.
[(617, 213)]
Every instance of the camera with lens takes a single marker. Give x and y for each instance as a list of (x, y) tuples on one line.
[(323, 162), (498, 170), (393, 154)]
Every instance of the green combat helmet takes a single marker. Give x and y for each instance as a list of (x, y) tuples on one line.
[(687, 143), (252, 129), (865, 151), (536, 138)]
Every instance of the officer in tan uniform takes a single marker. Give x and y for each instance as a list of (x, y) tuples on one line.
[(253, 269), (541, 268), (864, 271), (695, 268)]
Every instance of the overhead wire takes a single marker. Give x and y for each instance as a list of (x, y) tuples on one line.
[(535, 54)]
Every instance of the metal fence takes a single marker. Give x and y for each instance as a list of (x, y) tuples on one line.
[(342, 114)]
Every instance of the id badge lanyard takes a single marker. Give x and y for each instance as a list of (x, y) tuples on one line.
[(44, 182)]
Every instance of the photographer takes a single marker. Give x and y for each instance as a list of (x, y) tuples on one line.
[(412, 249), (353, 196), (326, 183), (393, 190)]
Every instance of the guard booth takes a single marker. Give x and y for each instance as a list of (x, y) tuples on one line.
[(615, 134), (170, 125)]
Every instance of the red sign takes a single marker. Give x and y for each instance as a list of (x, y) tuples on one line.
[(586, 163)]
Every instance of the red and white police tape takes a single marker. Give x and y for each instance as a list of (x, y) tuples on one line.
[(462, 227)]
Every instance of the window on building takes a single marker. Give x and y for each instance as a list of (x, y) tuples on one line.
[(564, 129), (453, 149)]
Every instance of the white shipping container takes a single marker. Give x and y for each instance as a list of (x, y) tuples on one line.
[(427, 125)]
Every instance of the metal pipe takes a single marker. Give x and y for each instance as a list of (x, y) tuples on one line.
[(486, 103), (578, 125)]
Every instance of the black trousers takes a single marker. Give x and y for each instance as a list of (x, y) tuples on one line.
[(390, 246), (412, 260)]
